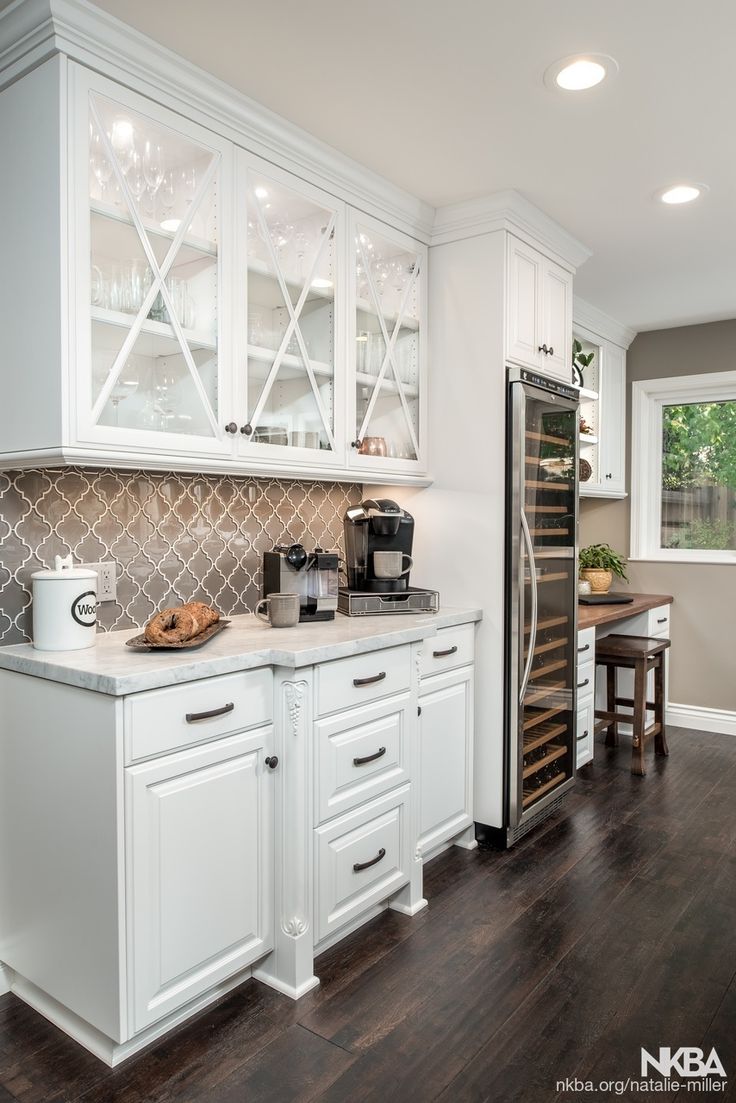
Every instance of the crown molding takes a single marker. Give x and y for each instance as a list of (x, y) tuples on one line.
[(31, 31), (597, 321), (507, 210)]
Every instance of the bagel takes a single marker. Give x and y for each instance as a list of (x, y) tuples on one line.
[(180, 623)]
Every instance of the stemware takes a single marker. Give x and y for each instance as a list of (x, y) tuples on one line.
[(125, 387), (302, 244), (153, 171), (281, 234), (167, 195), (136, 179), (189, 184), (100, 163), (122, 140)]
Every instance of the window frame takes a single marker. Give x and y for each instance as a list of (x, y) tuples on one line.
[(648, 397)]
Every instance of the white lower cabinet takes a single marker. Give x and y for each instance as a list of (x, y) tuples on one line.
[(445, 757), (360, 859), (585, 689), (200, 870)]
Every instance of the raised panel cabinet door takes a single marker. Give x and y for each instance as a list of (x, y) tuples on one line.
[(152, 228), (613, 421), (556, 325), (200, 870), (445, 757), (386, 350), (524, 304)]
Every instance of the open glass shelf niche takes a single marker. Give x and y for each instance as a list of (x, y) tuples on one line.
[(153, 275), (590, 412), (291, 318), (386, 347)]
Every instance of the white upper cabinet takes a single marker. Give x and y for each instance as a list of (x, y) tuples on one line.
[(539, 311), (152, 320), (386, 349)]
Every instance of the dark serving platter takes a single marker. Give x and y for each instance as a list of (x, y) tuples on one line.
[(140, 643)]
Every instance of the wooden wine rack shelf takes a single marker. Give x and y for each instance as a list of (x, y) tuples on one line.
[(543, 484), (541, 671), (534, 721), (531, 435), (551, 646), (554, 576), (532, 795), (541, 735), (555, 752), (542, 692), (546, 622)]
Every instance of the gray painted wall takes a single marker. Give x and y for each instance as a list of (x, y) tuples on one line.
[(703, 656)]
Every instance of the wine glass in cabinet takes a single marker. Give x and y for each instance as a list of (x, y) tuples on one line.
[(151, 191), (291, 277), (387, 349)]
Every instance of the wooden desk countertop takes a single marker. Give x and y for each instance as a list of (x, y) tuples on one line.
[(589, 616)]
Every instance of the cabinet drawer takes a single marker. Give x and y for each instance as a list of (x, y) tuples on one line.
[(162, 720), (585, 683), (659, 621), (450, 648), (584, 740), (360, 860), (345, 683), (360, 754), (586, 646)]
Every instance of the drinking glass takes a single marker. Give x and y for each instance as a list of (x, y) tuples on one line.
[(125, 387), (302, 245), (153, 165), (100, 163), (167, 194), (122, 140), (136, 178)]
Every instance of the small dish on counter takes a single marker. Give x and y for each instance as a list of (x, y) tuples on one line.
[(140, 643)]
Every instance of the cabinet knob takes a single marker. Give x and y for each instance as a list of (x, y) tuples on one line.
[(355, 443), (609, 475), (231, 427), (550, 351), (544, 349), (272, 762), (246, 430)]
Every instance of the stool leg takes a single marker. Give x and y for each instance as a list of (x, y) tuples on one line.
[(612, 730), (660, 739), (640, 718)]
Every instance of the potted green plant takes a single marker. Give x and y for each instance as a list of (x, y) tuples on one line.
[(580, 361), (599, 563)]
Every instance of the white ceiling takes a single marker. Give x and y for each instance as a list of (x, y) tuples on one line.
[(447, 100)]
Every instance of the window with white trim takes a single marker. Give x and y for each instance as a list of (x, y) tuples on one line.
[(683, 469)]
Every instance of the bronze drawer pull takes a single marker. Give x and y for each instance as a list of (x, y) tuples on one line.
[(369, 757), (583, 736), (581, 684), (357, 682), (661, 620), (193, 717), (444, 654), (585, 648), (367, 865)]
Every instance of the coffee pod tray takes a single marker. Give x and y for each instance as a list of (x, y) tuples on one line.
[(353, 603), (140, 643)]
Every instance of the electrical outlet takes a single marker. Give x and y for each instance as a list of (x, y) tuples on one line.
[(106, 579)]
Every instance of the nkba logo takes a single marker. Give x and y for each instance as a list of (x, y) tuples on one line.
[(686, 1061)]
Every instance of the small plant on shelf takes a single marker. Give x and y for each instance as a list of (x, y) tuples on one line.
[(580, 361), (598, 564)]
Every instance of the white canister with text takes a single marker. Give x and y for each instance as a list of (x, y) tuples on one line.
[(64, 607)]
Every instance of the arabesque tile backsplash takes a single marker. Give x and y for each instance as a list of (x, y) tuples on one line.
[(173, 537)]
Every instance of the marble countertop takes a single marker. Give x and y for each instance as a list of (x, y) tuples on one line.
[(110, 667)]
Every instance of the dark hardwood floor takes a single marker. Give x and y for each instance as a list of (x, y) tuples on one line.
[(612, 928)]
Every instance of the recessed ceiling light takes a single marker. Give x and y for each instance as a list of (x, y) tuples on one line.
[(171, 225), (261, 193), (675, 194), (579, 71), (319, 283)]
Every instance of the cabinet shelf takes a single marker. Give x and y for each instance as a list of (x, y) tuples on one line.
[(588, 438), (555, 751), (542, 735), (587, 394), (541, 692), (265, 289), (166, 343), (532, 795), (533, 721), (116, 215), (387, 385), (291, 367)]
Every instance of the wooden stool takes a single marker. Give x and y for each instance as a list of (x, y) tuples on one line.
[(640, 654)]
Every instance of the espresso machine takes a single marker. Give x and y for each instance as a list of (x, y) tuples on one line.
[(291, 569), (378, 541)]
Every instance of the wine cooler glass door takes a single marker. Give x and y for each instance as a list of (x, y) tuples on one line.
[(545, 464)]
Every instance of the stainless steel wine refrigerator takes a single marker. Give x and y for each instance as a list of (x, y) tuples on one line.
[(541, 598)]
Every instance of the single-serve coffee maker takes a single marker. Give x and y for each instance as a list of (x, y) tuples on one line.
[(378, 542), (291, 569)]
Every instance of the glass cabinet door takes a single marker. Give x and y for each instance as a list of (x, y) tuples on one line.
[(288, 393), (387, 348), (154, 285)]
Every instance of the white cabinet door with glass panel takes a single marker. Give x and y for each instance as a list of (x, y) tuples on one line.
[(289, 396), (151, 200), (387, 353)]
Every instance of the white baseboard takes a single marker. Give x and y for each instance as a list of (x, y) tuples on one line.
[(700, 718)]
